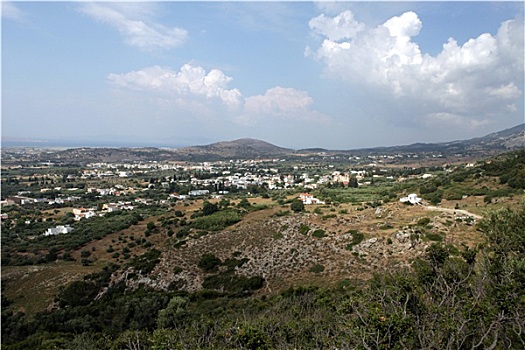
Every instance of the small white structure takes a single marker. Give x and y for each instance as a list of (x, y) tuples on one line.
[(195, 193), (411, 198), (307, 199), (60, 229)]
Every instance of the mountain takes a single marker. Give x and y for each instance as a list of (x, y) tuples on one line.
[(497, 142), (245, 148)]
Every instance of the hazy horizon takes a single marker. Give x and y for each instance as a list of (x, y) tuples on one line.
[(130, 144)]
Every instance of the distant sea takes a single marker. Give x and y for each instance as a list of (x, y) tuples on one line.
[(84, 143)]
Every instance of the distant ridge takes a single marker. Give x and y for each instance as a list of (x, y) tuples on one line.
[(248, 148), (497, 142)]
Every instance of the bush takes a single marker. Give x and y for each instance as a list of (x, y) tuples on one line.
[(303, 229), (146, 262), (281, 213), (436, 237), (233, 283), (209, 263), (297, 206), (423, 221), (357, 237), (78, 293), (209, 208), (317, 268), (319, 233)]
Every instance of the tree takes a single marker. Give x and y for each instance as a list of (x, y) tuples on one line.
[(173, 313), (209, 208), (352, 182), (297, 206)]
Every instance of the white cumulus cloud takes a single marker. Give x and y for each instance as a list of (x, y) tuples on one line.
[(336, 28), (470, 81), (191, 81), (136, 26)]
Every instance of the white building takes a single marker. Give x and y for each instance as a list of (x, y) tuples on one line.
[(411, 198), (195, 193), (60, 229), (307, 199)]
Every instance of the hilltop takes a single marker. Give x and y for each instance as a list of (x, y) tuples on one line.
[(245, 148)]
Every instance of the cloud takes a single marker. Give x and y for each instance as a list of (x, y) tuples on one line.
[(342, 26), (10, 11), (194, 90), (191, 81), (135, 25), (281, 103), (471, 81)]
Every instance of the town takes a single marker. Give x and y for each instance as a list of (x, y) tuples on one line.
[(124, 186)]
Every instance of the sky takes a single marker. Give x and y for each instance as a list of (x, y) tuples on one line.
[(336, 75)]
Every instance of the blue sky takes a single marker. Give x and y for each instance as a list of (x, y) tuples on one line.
[(337, 75)]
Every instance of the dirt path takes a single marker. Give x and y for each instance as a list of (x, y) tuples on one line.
[(454, 211)]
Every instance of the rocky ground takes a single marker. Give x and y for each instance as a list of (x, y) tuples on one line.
[(278, 249)]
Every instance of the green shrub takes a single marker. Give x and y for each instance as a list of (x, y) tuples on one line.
[(318, 268), (297, 206), (230, 282), (436, 237), (281, 213), (78, 293), (209, 262), (423, 221), (146, 262), (303, 229), (217, 221), (357, 237), (319, 233), (328, 216)]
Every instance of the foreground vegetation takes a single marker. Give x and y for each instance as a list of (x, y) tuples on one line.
[(452, 299), (454, 296)]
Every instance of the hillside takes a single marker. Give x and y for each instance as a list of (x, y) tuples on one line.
[(494, 143)]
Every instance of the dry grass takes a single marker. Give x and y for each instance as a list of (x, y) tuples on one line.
[(33, 288)]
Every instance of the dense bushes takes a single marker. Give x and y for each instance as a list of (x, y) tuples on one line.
[(146, 262), (217, 221), (230, 282)]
